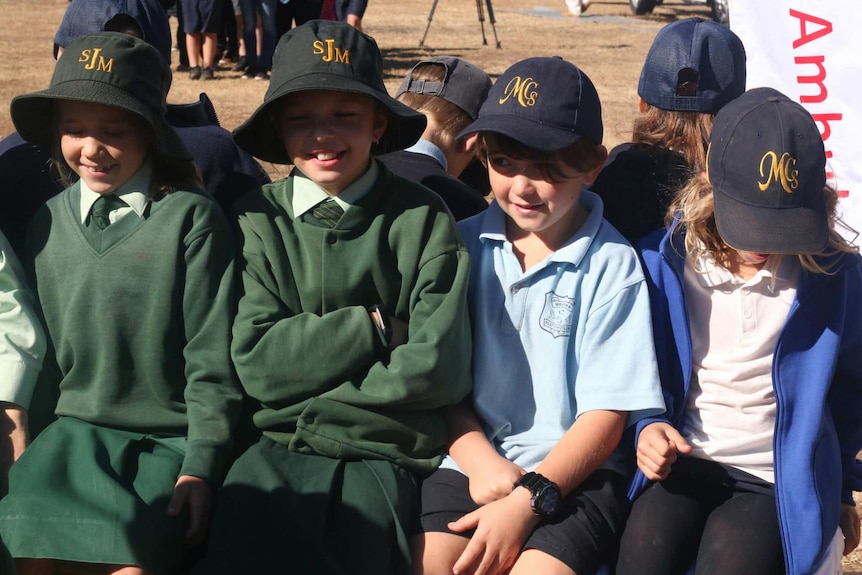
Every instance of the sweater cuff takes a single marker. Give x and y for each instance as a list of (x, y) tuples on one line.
[(205, 460)]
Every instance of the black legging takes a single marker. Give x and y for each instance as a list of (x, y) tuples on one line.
[(725, 522)]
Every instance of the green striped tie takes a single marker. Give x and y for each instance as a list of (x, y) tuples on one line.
[(327, 212), (102, 207)]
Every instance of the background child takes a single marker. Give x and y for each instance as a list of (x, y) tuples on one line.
[(352, 328), (201, 21), (758, 332), (555, 295), (694, 67), (133, 277), (449, 91)]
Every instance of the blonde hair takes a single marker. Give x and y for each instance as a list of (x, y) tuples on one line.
[(693, 208), (686, 133)]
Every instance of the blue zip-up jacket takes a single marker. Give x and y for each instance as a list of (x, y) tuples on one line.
[(817, 376)]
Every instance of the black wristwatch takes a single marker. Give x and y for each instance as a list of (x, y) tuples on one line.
[(384, 328), (546, 500)]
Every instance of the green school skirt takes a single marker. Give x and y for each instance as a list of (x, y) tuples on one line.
[(94, 495), (286, 512)]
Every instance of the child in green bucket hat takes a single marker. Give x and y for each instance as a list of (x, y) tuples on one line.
[(352, 328), (133, 268)]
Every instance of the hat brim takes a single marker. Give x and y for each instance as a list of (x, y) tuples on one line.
[(32, 113), (532, 134), (259, 136), (767, 230)]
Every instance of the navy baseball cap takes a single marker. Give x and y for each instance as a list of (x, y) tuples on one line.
[(84, 17), (464, 85), (326, 55), (544, 103), (704, 54), (767, 166)]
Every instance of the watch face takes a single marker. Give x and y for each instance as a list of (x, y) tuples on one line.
[(547, 501)]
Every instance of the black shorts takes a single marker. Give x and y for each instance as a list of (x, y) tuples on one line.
[(583, 536), (201, 16)]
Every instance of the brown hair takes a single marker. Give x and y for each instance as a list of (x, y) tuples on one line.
[(686, 133), (582, 156), (450, 119)]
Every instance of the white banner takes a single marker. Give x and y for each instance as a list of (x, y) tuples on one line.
[(811, 50)]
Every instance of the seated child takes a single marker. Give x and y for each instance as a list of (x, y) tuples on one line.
[(449, 91), (133, 267), (352, 330), (563, 359), (693, 68), (758, 324)]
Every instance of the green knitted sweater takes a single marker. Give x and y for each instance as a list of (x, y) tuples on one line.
[(305, 347), (139, 318)]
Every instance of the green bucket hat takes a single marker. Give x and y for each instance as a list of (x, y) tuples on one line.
[(326, 55), (107, 68)]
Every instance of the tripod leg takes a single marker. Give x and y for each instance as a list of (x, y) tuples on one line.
[(428, 26), (493, 22), (481, 13)]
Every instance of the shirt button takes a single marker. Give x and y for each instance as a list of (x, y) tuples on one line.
[(747, 314), (331, 239), (515, 289), (745, 291), (308, 419)]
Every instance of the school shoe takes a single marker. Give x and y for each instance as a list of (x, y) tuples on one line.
[(208, 73), (240, 65), (577, 7), (195, 73), (249, 73), (262, 75)]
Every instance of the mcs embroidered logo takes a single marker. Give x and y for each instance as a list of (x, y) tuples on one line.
[(779, 170), (524, 90), (330, 52), (95, 61)]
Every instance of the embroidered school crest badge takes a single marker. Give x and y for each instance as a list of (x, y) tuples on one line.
[(556, 318)]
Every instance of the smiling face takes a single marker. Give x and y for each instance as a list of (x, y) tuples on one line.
[(328, 135), (536, 205), (104, 145)]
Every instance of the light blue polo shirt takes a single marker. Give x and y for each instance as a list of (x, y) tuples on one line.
[(570, 335)]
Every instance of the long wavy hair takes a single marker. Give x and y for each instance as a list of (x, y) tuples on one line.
[(694, 208)]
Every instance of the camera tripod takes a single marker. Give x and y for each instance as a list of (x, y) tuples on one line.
[(480, 11)]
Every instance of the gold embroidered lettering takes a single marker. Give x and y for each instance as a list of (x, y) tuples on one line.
[(523, 89), (780, 170)]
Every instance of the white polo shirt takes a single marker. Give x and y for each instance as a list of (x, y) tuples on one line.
[(735, 324)]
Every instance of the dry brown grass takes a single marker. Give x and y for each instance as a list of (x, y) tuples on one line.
[(607, 43)]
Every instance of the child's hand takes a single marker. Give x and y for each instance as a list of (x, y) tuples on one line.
[(658, 445), (848, 520), (502, 527), (13, 439), (493, 480), (196, 494)]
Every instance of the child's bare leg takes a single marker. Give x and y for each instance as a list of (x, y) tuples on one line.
[(534, 561), (435, 553)]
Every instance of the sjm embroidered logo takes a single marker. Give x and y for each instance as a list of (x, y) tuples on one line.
[(94, 60), (330, 52), (556, 318), (524, 90), (778, 169)]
